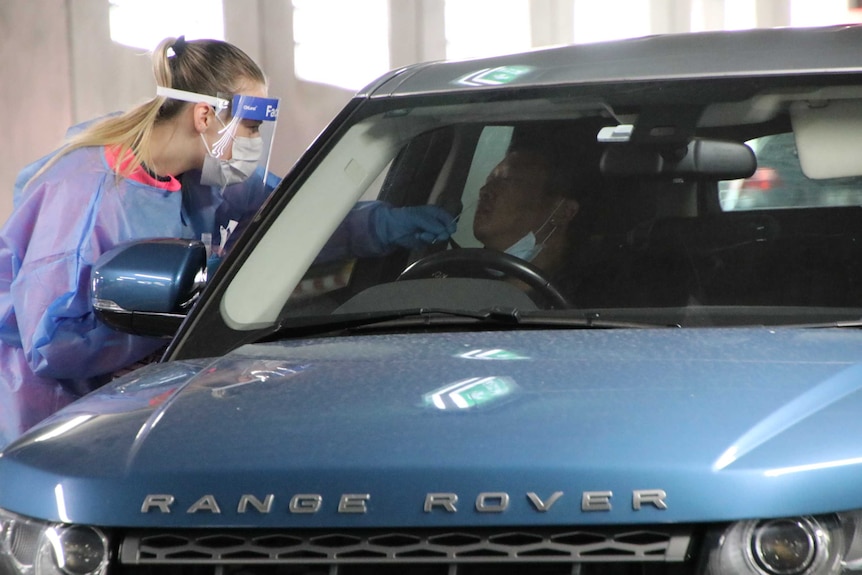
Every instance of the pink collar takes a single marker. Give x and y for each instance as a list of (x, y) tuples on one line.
[(140, 174)]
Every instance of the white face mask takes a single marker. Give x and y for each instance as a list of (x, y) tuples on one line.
[(245, 157)]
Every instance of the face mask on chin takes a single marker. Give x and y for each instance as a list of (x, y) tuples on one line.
[(245, 156), (527, 248)]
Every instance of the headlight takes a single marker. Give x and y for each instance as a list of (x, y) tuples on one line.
[(788, 546), (822, 545), (29, 547)]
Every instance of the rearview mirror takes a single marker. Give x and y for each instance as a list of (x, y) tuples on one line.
[(711, 159), (147, 287)]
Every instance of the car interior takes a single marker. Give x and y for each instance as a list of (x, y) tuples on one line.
[(658, 241)]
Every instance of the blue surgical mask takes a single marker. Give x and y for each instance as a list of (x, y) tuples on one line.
[(526, 248)]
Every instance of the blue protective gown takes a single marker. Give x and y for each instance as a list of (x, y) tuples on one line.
[(52, 348)]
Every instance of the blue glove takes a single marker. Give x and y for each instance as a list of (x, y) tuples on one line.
[(412, 227)]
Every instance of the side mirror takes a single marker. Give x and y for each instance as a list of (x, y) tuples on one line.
[(147, 287)]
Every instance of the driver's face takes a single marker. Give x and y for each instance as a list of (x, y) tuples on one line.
[(512, 202)]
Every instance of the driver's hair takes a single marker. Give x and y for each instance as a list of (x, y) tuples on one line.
[(571, 153)]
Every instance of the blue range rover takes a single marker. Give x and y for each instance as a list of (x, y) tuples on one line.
[(608, 364)]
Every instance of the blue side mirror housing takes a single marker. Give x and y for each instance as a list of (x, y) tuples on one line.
[(147, 287)]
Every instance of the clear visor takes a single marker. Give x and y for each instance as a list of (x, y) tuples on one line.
[(246, 117), (246, 125)]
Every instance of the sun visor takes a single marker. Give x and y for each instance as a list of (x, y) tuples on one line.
[(827, 137)]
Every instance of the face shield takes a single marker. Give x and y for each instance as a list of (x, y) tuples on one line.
[(239, 147)]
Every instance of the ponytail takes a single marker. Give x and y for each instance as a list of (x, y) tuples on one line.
[(210, 67)]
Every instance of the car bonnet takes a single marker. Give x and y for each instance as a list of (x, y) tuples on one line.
[(490, 428)]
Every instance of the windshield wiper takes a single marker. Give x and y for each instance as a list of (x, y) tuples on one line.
[(295, 327), (317, 325), (853, 323)]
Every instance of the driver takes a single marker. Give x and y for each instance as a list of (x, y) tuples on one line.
[(525, 208)]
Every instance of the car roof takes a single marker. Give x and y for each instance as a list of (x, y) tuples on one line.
[(738, 53)]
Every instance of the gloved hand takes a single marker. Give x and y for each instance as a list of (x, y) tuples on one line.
[(212, 264), (412, 226)]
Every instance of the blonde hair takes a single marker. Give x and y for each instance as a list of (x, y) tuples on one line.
[(210, 67)]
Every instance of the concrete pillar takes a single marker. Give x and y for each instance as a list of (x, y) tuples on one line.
[(243, 26), (713, 15), (670, 16), (417, 31), (552, 22), (35, 93), (772, 13), (306, 107), (106, 77)]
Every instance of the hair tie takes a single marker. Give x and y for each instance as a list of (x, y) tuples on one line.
[(179, 46)]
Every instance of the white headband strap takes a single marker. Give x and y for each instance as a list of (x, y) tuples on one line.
[(217, 103)]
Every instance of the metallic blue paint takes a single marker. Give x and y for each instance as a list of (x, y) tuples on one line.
[(731, 423), (157, 275)]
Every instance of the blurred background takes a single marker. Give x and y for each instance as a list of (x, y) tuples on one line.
[(65, 61)]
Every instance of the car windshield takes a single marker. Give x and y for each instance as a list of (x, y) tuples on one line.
[(779, 181), (675, 203)]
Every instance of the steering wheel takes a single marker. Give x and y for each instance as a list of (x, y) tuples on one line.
[(465, 262)]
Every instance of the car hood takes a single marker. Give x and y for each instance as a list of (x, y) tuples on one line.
[(487, 428)]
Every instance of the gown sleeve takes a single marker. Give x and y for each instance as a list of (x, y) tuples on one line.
[(51, 242)]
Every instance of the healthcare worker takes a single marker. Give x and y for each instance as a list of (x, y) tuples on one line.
[(188, 163)]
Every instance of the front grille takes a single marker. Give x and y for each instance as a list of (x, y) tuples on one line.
[(430, 547)]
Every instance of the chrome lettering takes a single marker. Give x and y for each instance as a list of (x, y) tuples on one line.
[(445, 500), (205, 503), (544, 505), (354, 503), (358, 503), (596, 500), (305, 503), (492, 502), (654, 497), (264, 506), (161, 501)]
